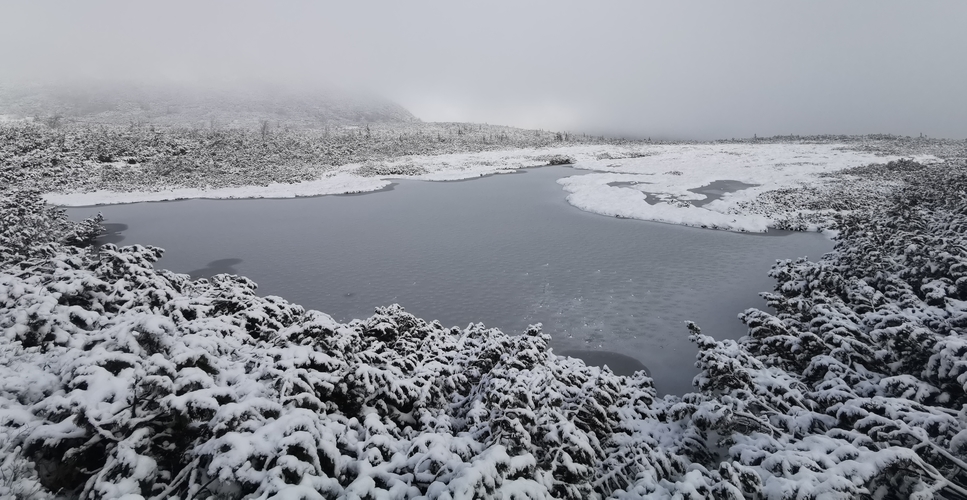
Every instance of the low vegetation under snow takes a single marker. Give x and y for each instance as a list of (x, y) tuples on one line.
[(119, 380)]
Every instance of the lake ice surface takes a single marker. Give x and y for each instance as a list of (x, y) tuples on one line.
[(505, 250)]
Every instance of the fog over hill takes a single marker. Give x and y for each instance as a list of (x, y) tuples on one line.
[(200, 105)]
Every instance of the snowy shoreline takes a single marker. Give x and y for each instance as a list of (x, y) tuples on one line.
[(646, 182), (337, 184)]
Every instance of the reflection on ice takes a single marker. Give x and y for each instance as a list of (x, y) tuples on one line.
[(619, 363), (220, 266), (112, 233)]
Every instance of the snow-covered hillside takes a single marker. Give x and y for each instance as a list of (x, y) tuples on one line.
[(199, 106)]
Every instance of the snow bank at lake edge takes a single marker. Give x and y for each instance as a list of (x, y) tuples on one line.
[(327, 184)]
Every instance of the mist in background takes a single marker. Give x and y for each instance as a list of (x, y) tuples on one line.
[(695, 70)]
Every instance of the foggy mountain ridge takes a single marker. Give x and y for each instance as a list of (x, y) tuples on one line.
[(179, 106)]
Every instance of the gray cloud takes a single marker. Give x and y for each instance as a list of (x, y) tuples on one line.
[(671, 69)]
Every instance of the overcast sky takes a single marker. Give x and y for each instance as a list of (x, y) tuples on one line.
[(712, 69)]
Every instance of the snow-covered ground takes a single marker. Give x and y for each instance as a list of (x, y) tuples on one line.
[(648, 182)]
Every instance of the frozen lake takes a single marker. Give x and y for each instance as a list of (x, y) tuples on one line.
[(505, 250)]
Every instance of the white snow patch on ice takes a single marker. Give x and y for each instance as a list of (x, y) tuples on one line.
[(591, 192), (337, 183), (670, 171)]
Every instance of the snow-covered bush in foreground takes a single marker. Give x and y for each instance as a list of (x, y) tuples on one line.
[(119, 380), (860, 377)]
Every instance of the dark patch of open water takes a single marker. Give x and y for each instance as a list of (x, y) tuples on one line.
[(505, 250), (717, 189)]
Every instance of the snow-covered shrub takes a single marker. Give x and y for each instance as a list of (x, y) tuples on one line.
[(862, 362), (371, 169), (28, 228), (560, 160), (823, 205), (120, 379)]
